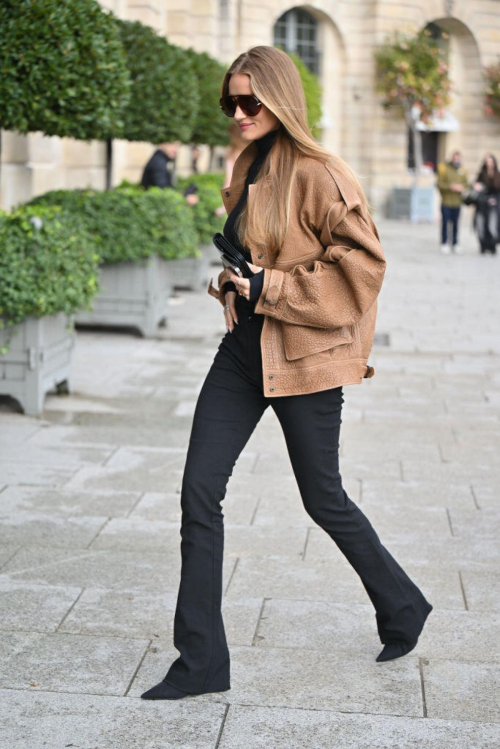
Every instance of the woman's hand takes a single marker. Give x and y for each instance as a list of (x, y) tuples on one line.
[(243, 284), (230, 314)]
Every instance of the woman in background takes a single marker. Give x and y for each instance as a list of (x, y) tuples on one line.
[(487, 215)]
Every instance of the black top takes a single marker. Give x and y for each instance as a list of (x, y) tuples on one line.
[(264, 145), (159, 171)]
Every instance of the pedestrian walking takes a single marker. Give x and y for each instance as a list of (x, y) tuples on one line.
[(487, 214), (452, 180), (297, 331), (160, 171)]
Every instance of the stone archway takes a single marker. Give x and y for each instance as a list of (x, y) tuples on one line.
[(467, 103)]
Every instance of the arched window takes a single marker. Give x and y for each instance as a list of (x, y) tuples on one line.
[(297, 31)]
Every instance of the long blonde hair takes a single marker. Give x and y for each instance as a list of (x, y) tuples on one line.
[(275, 80)]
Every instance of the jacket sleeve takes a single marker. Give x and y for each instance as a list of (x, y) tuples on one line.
[(342, 285), (219, 293), (443, 183)]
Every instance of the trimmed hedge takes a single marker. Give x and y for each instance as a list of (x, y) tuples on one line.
[(62, 69), (47, 264), (209, 190), (129, 223), (211, 126)]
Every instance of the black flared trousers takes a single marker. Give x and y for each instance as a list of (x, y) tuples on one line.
[(229, 406)]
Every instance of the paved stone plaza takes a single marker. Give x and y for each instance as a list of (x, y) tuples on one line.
[(90, 554)]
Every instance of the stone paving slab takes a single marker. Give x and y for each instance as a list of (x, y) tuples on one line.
[(462, 690), (54, 530), (482, 590), (306, 679), (454, 635), (69, 663), (43, 719), (262, 727), (332, 580), (415, 494), (65, 502), (150, 615), (411, 548)]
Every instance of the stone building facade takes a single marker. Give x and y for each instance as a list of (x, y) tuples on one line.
[(336, 39)]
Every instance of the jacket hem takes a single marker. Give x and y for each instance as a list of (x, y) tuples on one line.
[(307, 379)]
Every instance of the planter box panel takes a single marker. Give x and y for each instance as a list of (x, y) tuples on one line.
[(190, 272), (133, 295), (38, 359)]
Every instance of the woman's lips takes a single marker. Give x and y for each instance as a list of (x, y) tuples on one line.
[(244, 127)]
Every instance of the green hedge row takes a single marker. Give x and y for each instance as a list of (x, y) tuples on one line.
[(47, 264), (51, 247), (129, 224), (209, 189)]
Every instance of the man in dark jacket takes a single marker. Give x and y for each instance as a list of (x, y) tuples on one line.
[(160, 170)]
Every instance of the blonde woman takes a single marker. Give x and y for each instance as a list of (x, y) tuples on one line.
[(297, 331)]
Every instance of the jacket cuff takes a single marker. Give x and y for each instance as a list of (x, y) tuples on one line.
[(272, 300)]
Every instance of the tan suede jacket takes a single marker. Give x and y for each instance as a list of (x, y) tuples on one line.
[(319, 295)]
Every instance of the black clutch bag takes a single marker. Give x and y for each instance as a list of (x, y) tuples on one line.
[(231, 257)]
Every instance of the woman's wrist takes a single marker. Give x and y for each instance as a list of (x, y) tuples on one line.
[(256, 283)]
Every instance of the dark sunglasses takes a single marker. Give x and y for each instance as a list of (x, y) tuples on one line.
[(248, 103)]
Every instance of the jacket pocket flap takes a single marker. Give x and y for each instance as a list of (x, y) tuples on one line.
[(302, 340)]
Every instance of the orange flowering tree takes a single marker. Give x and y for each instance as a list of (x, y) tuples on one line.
[(413, 77), (492, 92)]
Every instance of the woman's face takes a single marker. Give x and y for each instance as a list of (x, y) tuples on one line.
[(250, 127), (490, 164)]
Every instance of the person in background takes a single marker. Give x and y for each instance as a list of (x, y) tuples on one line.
[(195, 155), (160, 170), (452, 179), (487, 215)]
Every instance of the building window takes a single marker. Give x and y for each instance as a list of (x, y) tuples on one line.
[(297, 31)]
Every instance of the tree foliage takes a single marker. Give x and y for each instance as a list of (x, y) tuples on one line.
[(412, 72), (492, 92), (412, 76), (164, 101), (313, 93), (211, 124), (62, 69)]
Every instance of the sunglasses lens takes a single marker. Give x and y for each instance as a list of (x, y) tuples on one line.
[(227, 105), (248, 104)]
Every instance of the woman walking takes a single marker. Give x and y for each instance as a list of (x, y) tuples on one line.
[(297, 331), (487, 215)]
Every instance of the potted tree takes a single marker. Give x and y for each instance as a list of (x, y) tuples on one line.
[(48, 270), (412, 79), (63, 69)]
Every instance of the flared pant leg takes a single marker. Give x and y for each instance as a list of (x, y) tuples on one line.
[(311, 426), (229, 406)]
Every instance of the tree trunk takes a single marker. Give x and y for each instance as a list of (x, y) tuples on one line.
[(0, 166), (411, 120), (109, 163)]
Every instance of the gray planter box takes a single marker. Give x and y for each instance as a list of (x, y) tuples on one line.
[(38, 359), (133, 295), (191, 272), (414, 203)]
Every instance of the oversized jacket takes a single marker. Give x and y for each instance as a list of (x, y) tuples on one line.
[(319, 293)]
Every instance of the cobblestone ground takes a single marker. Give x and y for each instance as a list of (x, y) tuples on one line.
[(90, 555)]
